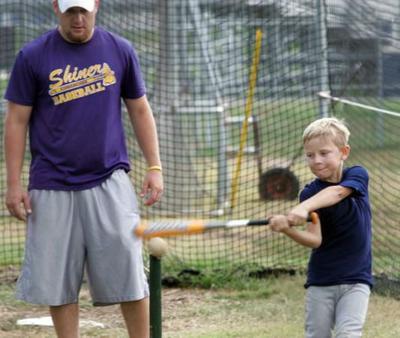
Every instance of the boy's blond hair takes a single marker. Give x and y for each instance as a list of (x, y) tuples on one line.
[(330, 127)]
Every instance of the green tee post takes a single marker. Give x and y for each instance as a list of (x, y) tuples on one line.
[(155, 297)]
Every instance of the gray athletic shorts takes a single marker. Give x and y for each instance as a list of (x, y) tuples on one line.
[(69, 231)]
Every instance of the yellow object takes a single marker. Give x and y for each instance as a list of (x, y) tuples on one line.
[(141, 228), (154, 167), (248, 109), (145, 230)]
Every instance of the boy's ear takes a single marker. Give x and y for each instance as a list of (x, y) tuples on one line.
[(345, 152)]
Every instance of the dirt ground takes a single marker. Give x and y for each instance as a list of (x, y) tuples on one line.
[(271, 308), (109, 316)]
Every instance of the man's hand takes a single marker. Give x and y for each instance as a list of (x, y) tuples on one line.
[(18, 203), (152, 187)]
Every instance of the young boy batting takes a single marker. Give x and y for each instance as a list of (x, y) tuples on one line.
[(339, 276)]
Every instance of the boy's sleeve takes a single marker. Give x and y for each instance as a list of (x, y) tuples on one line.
[(21, 87), (308, 191), (356, 178)]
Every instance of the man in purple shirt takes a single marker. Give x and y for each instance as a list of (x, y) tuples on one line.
[(81, 208)]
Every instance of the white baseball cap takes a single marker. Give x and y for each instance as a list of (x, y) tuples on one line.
[(64, 5)]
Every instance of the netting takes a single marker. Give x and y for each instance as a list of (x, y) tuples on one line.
[(230, 124)]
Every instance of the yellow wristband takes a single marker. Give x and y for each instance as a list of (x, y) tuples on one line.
[(154, 167)]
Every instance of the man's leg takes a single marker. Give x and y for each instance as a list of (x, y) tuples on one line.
[(66, 320), (136, 315)]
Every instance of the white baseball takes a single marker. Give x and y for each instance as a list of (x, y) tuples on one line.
[(157, 247)]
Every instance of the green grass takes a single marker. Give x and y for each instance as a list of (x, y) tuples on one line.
[(11, 254), (251, 307), (12, 239), (238, 277), (272, 308)]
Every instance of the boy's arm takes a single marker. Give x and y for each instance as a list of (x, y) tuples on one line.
[(325, 198), (310, 237)]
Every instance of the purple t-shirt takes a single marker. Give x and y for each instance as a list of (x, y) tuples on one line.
[(76, 132)]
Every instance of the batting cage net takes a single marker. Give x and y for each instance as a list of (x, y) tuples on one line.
[(232, 85)]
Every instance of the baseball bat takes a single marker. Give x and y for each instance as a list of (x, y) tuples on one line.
[(171, 228)]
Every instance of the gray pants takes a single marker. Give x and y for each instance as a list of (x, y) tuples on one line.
[(342, 308)]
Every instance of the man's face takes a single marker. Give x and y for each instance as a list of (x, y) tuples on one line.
[(76, 24)]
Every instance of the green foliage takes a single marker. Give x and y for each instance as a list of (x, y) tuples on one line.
[(11, 254), (243, 278)]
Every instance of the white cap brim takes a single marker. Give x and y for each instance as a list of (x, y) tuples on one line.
[(64, 5)]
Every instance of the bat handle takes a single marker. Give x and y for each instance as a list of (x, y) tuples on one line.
[(313, 218)]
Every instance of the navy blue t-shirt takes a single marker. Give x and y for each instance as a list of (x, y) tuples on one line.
[(344, 256)]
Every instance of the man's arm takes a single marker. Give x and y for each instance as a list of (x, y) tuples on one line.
[(15, 132), (144, 126), (325, 198)]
